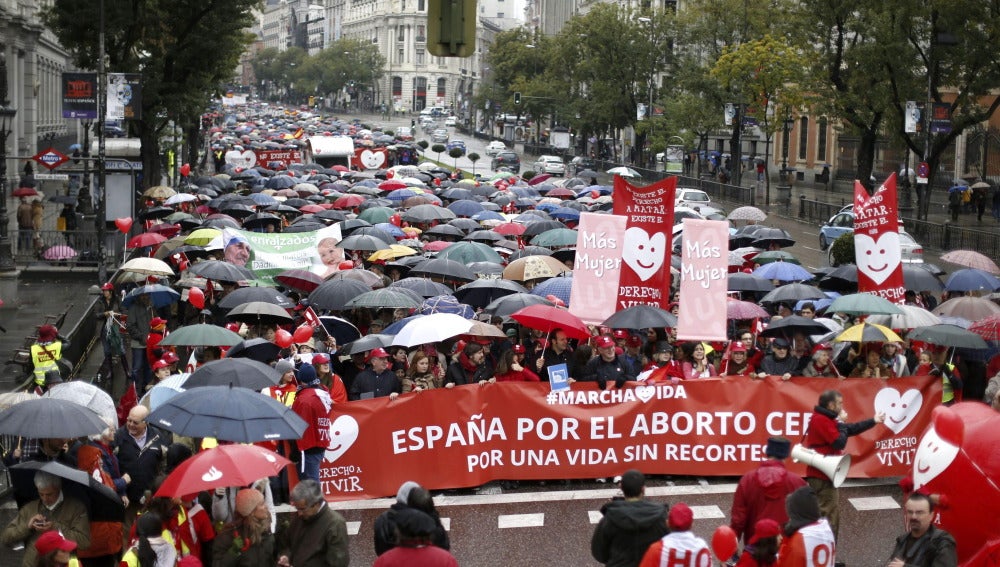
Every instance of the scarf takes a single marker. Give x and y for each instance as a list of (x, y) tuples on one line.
[(467, 364)]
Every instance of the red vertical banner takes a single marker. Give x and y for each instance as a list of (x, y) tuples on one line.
[(876, 241), (645, 275), (704, 280)]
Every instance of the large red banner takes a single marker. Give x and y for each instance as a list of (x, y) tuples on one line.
[(645, 277), (876, 241), (470, 435), (267, 158)]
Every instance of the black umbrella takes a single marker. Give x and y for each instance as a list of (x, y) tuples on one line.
[(156, 213), (487, 236), (446, 230), (363, 242), (220, 223), (422, 286), (918, 278), (529, 251), (481, 293), (844, 279), (641, 317), (466, 225), (504, 306), (348, 226), (444, 268), (102, 504), (536, 228), (748, 282), (376, 232), (427, 213), (220, 271), (787, 326), (367, 343), (948, 335), (340, 329), (261, 220), (303, 227), (229, 414), (265, 294), (768, 236), (240, 372), (744, 236), (259, 349), (335, 293), (50, 418), (792, 292), (259, 313)]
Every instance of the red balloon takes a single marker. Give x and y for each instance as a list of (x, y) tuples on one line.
[(196, 297), (302, 333), (396, 220), (282, 338), (186, 169), (595, 194), (724, 542), (390, 174), (346, 265), (123, 224)]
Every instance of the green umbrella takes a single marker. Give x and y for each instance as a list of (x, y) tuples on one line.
[(863, 304), (201, 335), (177, 217), (468, 252), (774, 256), (555, 237), (387, 297), (376, 215), (948, 335)]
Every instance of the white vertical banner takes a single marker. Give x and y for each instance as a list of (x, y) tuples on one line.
[(912, 117), (704, 280), (730, 113)]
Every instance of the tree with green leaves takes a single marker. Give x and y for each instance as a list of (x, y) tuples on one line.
[(474, 157), (438, 149)]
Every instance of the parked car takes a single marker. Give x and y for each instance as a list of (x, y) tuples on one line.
[(404, 133), (439, 136), (495, 147), (698, 200), (456, 144), (580, 163), (451, 121), (910, 251), (553, 165), (507, 159)]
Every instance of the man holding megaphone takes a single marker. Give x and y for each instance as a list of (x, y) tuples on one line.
[(827, 435)]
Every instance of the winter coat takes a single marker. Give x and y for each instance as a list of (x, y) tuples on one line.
[(69, 517), (227, 552), (422, 556), (676, 545), (312, 403), (626, 530), (774, 367), (761, 494), (141, 463), (827, 436), (385, 530), (379, 385), (936, 548), (798, 548), (320, 541), (601, 371)]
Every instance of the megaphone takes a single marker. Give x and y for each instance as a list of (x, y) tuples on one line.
[(833, 466)]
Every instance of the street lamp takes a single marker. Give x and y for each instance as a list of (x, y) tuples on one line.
[(6, 127), (652, 81)]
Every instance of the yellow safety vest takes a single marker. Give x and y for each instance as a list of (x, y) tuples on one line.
[(131, 557), (44, 358), (947, 391)]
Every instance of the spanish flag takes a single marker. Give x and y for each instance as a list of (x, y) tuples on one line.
[(295, 136)]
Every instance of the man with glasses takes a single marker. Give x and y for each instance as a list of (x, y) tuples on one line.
[(779, 362), (924, 544), (51, 511), (317, 535), (140, 449)]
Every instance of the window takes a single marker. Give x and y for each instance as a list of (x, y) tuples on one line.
[(400, 33), (821, 140), (441, 87), (421, 33), (397, 86), (420, 57), (399, 55), (420, 5), (803, 136)]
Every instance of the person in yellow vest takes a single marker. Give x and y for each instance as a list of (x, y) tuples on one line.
[(951, 378), (284, 392), (154, 546), (55, 551), (45, 354)]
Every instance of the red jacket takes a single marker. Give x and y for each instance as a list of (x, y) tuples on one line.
[(827, 436), (664, 374), (524, 375), (313, 404), (761, 494)]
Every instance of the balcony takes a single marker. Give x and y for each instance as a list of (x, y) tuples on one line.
[(421, 39)]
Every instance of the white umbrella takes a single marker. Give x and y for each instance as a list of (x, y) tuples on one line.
[(147, 266), (180, 198), (913, 316), (88, 396), (164, 390), (431, 329), (623, 171)]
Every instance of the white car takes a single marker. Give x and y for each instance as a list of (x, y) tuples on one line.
[(495, 147), (553, 165), (450, 121)]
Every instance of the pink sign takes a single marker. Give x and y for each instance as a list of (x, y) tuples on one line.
[(597, 267), (704, 269)]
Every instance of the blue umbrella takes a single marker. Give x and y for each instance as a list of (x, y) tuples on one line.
[(565, 213), (280, 182), (547, 207), (396, 326), (971, 279), (465, 208), (446, 304), (819, 304), (783, 271), (263, 200), (401, 195), (602, 189), (159, 295), (391, 229), (558, 286)]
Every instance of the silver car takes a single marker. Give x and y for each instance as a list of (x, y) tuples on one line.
[(553, 165), (439, 136)]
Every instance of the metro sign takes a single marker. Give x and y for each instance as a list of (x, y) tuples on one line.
[(50, 158)]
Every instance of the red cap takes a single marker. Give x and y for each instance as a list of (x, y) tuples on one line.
[(171, 357), (157, 323), (634, 341), (738, 346), (518, 349), (234, 327), (620, 334), (377, 353), (160, 364), (51, 541), (47, 333), (604, 341), (321, 358), (680, 517), (822, 346), (765, 528), (108, 287)]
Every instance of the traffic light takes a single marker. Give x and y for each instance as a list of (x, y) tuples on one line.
[(451, 27), (517, 98)]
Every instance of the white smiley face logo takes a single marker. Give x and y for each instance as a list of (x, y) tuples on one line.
[(643, 253), (877, 258), (245, 159), (934, 455), (343, 433), (372, 160), (899, 409)]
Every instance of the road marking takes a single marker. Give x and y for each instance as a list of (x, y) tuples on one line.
[(520, 521), (595, 516), (707, 512), (874, 503), (353, 528), (446, 522)]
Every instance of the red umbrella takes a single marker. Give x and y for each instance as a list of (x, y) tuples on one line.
[(299, 279), (436, 246), (540, 178), (59, 252), (988, 328), (348, 201), (736, 309), (561, 192), (340, 168), (312, 208), (24, 192), (225, 465), (510, 229), (390, 184), (547, 318), (168, 230), (145, 239)]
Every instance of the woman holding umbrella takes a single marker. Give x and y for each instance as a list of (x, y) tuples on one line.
[(247, 541)]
